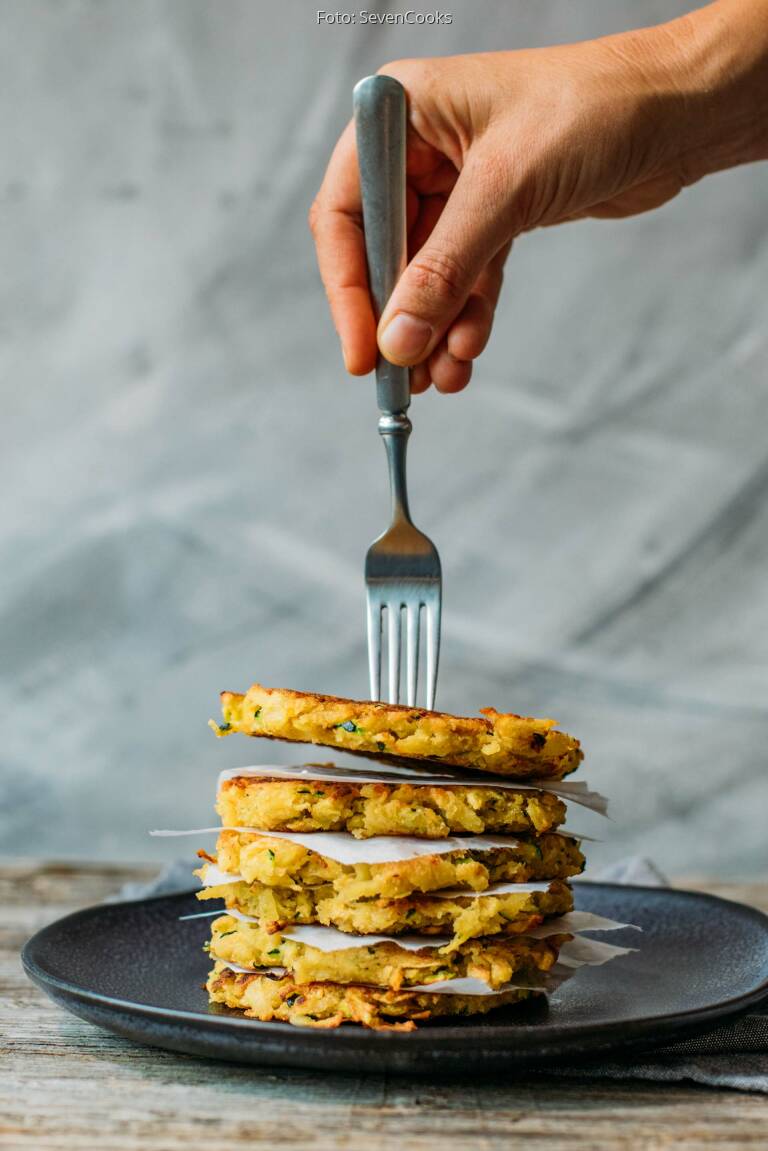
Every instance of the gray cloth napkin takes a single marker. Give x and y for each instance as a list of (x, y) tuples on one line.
[(734, 1056)]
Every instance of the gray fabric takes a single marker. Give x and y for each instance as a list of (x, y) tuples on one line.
[(741, 1071), (734, 1056), (174, 878)]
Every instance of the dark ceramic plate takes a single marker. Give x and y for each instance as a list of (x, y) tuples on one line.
[(137, 970)]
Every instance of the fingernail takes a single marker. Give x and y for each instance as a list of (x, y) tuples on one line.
[(405, 337)]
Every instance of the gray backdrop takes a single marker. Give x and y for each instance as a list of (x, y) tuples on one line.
[(191, 482)]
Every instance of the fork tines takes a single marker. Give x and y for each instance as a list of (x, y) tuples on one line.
[(414, 600)]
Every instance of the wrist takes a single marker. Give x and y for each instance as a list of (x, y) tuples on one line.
[(716, 59)]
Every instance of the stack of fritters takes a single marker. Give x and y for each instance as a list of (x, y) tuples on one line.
[(442, 913)]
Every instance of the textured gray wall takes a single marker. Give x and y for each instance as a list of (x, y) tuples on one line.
[(190, 480)]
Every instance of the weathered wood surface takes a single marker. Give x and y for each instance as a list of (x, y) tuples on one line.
[(66, 1086)]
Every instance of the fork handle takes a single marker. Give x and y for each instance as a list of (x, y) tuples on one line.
[(380, 127)]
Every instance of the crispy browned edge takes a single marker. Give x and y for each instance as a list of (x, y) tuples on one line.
[(379, 998), (399, 708), (476, 782), (537, 739)]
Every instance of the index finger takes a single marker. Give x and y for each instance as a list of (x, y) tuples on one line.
[(336, 220)]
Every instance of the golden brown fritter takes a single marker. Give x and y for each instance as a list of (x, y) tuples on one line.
[(462, 917), (269, 997), (510, 745), (281, 863), (495, 959), (367, 809)]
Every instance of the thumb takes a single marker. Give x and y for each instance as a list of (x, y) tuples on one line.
[(435, 286)]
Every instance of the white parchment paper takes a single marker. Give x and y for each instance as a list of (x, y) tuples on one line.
[(495, 889), (588, 951), (465, 986), (213, 876), (331, 939), (574, 922), (580, 952), (344, 848)]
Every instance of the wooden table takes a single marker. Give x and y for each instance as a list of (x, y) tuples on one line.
[(66, 1085)]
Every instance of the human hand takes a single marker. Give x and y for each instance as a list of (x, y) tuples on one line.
[(501, 143)]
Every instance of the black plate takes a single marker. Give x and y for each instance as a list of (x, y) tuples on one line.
[(135, 969)]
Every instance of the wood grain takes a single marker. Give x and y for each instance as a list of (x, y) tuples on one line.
[(66, 1086)]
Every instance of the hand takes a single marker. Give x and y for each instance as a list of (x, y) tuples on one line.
[(501, 143)]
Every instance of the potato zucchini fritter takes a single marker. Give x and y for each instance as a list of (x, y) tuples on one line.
[(496, 960), (281, 863), (367, 809), (268, 997), (463, 917), (511, 745)]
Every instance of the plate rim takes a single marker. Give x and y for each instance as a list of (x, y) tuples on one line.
[(688, 1021)]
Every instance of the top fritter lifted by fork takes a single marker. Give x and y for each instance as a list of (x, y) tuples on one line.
[(512, 745)]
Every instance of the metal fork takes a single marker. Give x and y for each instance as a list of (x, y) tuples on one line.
[(402, 567)]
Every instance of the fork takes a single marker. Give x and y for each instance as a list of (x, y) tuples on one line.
[(402, 567)]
